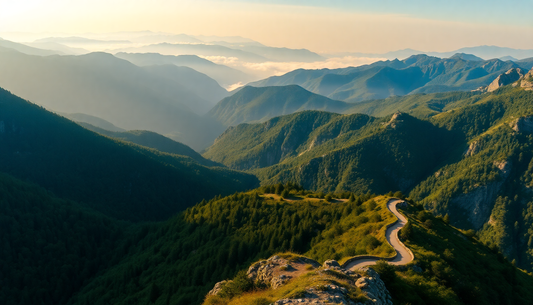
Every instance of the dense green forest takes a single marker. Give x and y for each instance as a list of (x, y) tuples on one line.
[(51, 247), (119, 179)]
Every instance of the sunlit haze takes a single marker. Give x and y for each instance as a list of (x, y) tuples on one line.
[(321, 26)]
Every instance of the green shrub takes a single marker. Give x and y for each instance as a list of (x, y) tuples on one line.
[(240, 284), (371, 205), (406, 231), (261, 301), (470, 233), (386, 271)]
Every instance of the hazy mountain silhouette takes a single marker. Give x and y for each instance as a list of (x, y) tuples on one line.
[(170, 38), (60, 48), (485, 52), (26, 49), (80, 40), (195, 49), (82, 118), (224, 75), (273, 53), (99, 84)]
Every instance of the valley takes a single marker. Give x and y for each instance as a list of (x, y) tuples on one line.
[(266, 153)]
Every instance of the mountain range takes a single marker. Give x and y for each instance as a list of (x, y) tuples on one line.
[(416, 74), (485, 52)]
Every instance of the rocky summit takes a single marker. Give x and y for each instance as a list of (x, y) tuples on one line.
[(509, 77)]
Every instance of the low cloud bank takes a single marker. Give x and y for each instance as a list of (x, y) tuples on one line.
[(267, 69)]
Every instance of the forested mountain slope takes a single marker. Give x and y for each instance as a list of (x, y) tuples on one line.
[(121, 180), (251, 104), (470, 159), (332, 152), (153, 140), (487, 187)]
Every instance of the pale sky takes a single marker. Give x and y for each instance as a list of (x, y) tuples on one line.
[(321, 26)]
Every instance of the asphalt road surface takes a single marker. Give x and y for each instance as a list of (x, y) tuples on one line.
[(403, 254)]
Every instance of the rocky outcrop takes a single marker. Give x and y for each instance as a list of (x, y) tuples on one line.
[(267, 272), (506, 78), (526, 82), (331, 284), (523, 124), (374, 288), (218, 287), (504, 166), (331, 264), (473, 149), (396, 120), (371, 285)]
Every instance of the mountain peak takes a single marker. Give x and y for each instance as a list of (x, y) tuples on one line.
[(465, 56), (511, 76)]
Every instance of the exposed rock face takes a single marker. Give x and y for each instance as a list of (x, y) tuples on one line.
[(478, 203), (506, 78), (504, 167), (523, 124), (473, 148), (218, 287), (526, 82), (396, 120)]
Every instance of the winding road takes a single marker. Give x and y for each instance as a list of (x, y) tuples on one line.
[(403, 254)]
